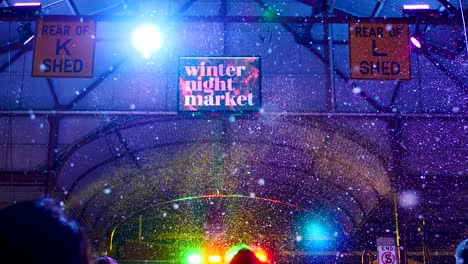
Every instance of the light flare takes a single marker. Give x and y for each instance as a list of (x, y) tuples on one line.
[(415, 42), (416, 7), (147, 39), (32, 4), (214, 259), (260, 253)]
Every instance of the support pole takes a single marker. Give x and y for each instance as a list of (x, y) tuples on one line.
[(140, 227), (54, 123), (397, 171), (331, 105), (330, 93), (397, 228)]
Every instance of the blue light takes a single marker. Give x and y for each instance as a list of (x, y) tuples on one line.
[(147, 39), (315, 231), (317, 235)]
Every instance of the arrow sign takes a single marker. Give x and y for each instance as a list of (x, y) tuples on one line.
[(64, 49)]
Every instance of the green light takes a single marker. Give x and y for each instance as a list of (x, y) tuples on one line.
[(194, 257), (269, 14), (233, 251)]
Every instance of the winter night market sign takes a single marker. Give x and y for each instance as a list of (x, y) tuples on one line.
[(219, 84)]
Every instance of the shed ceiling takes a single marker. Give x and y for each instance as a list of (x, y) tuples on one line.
[(121, 149)]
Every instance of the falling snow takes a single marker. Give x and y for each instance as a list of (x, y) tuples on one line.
[(321, 169)]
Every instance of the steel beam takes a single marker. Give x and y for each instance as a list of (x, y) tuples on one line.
[(72, 6), (93, 85), (331, 87), (6, 3), (250, 19), (252, 115), (11, 46), (16, 56), (127, 148), (451, 76), (450, 8), (377, 8), (52, 153), (23, 178), (54, 94), (186, 6), (108, 9)]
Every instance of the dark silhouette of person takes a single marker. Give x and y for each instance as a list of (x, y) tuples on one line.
[(461, 254), (105, 260), (37, 232), (244, 256)]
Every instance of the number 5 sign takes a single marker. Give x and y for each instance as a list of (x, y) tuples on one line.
[(387, 257), (387, 250)]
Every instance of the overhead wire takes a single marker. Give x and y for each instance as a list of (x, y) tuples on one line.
[(9, 136), (19, 96), (464, 23), (52, 4), (384, 2)]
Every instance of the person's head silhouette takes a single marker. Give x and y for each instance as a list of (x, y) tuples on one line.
[(461, 254), (38, 232), (244, 256), (105, 260)]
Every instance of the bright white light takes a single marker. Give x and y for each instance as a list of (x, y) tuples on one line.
[(408, 199), (147, 39), (27, 40), (415, 7), (195, 258), (214, 259), (27, 4), (356, 90), (415, 42)]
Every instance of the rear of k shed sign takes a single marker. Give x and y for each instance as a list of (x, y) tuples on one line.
[(64, 49), (379, 51)]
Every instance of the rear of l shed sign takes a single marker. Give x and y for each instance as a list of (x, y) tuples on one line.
[(379, 51), (64, 49)]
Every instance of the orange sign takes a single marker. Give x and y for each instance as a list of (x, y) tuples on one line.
[(379, 51), (64, 49)]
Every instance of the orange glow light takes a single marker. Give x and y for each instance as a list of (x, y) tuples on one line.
[(260, 254), (262, 257), (214, 259)]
